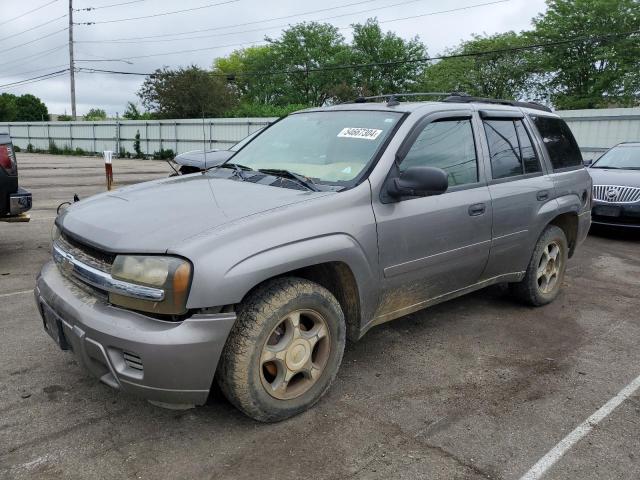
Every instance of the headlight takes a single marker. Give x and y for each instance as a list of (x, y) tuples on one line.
[(171, 274)]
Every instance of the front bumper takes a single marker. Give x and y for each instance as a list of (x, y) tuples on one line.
[(20, 202), (616, 215), (169, 362)]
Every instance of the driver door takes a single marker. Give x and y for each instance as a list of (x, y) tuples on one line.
[(431, 246)]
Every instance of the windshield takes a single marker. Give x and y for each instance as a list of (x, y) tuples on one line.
[(332, 147), (623, 157)]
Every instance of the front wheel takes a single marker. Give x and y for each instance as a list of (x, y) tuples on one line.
[(545, 272), (284, 350)]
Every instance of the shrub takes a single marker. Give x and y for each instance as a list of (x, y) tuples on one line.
[(53, 148), (163, 154), (136, 145), (16, 148), (30, 148), (79, 151)]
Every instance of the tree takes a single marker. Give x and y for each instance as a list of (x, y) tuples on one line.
[(133, 113), (592, 72), (372, 45), (185, 93), (302, 48), (506, 74), (95, 114), (31, 109), (8, 107)]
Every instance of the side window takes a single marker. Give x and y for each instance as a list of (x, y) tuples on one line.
[(504, 148), (529, 158), (561, 145), (510, 148), (449, 145)]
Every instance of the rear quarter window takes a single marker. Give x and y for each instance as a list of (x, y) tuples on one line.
[(561, 146)]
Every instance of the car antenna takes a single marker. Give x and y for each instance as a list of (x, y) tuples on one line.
[(204, 143)]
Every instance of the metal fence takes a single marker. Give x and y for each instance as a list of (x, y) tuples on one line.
[(598, 130), (177, 135), (595, 130)]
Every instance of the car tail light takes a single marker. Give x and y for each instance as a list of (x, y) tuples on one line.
[(8, 159)]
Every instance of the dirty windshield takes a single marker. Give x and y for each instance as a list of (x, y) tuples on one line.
[(625, 157), (332, 147)]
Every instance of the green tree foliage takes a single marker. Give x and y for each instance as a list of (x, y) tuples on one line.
[(64, 118), (8, 108), (507, 74), (95, 115), (372, 45), (133, 113), (31, 109), (302, 48), (589, 73), (185, 93), (25, 108)]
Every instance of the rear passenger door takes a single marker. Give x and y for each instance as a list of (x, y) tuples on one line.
[(519, 189)]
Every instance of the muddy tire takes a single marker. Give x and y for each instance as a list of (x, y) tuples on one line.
[(545, 272), (284, 350)]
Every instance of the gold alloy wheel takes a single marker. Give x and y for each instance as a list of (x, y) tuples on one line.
[(549, 268), (295, 354)]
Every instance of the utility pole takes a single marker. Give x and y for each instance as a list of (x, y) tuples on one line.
[(72, 77)]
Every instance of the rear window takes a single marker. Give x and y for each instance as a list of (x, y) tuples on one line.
[(562, 147)]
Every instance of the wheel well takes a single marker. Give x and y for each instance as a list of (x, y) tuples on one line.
[(568, 222), (338, 278)]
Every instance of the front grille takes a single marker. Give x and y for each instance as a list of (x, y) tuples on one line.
[(616, 194), (133, 361), (86, 254)]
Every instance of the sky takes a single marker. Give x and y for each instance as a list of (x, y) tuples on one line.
[(220, 27)]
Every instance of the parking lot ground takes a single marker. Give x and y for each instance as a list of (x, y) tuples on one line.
[(476, 388)]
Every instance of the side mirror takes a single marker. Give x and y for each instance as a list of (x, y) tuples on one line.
[(419, 182), (588, 162)]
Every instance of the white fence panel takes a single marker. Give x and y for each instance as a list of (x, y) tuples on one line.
[(177, 135)]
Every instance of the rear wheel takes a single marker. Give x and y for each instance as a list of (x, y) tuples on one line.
[(545, 272), (284, 350)]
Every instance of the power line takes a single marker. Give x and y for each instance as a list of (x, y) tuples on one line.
[(392, 62), (36, 81), (34, 56), (39, 77), (88, 9), (33, 71), (27, 13), (35, 40), (440, 12), (13, 35), (234, 26), (160, 14)]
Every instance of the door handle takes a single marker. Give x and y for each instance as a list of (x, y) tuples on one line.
[(477, 209), (542, 195)]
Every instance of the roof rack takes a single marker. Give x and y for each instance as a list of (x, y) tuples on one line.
[(451, 97), (495, 101), (392, 98)]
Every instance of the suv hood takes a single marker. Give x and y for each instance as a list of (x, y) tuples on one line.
[(611, 176), (152, 217)]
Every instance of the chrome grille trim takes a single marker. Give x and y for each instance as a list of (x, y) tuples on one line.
[(83, 256), (616, 194), (67, 263)]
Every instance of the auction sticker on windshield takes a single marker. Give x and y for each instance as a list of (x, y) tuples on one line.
[(363, 133)]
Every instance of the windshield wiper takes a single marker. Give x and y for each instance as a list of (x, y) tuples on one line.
[(304, 181), (238, 170)]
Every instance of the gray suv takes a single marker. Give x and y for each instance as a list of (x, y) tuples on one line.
[(329, 222)]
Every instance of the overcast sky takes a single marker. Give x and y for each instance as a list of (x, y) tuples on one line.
[(97, 42)]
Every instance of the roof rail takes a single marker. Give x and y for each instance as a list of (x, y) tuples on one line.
[(392, 97), (495, 101)]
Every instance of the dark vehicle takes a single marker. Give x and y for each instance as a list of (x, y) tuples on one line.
[(616, 186), (333, 220), (14, 200), (199, 160)]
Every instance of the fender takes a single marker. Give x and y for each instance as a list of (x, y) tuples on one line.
[(233, 284)]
